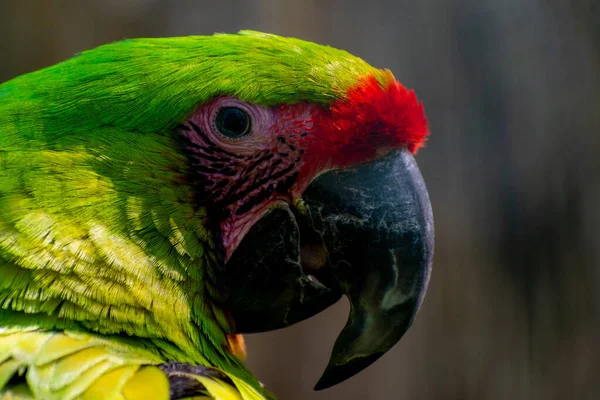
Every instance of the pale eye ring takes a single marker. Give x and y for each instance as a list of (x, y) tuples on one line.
[(233, 122)]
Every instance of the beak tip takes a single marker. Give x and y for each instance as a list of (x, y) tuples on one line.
[(328, 379), (338, 372), (322, 384)]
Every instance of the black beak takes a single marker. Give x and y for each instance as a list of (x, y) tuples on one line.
[(366, 233), (267, 286), (377, 223)]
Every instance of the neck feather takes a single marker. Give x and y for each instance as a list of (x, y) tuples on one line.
[(102, 237)]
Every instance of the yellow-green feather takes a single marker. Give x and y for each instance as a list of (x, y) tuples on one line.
[(76, 366), (67, 366)]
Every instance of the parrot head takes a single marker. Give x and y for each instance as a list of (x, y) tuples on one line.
[(313, 200), (250, 180)]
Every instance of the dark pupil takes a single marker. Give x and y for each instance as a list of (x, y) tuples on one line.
[(233, 122)]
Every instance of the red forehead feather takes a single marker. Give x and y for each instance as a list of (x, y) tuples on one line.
[(369, 119)]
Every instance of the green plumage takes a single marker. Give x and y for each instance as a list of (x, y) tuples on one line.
[(98, 235)]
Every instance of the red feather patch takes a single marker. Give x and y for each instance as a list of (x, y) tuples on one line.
[(367, 123)]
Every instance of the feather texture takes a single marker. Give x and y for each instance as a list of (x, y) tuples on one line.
[(74, 366)]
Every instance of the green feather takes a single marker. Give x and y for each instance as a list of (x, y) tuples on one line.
[(98, 234)]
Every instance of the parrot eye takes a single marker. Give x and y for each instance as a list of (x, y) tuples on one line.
[(233, 122)]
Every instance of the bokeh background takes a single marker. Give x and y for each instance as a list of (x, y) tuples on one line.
[(512, 93)]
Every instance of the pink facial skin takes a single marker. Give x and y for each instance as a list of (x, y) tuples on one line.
[(242, 178), (239, 179)]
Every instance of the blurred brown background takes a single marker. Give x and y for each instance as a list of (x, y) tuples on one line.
[(512, 92)]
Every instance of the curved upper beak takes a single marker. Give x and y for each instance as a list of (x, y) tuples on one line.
[(366, 233), (377, 223)]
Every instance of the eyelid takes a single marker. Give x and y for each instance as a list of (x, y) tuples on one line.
[(247, 117), (214, 111), (252, 110), (261, 120)]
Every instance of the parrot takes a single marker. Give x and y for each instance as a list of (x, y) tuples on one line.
[(161, 197)]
